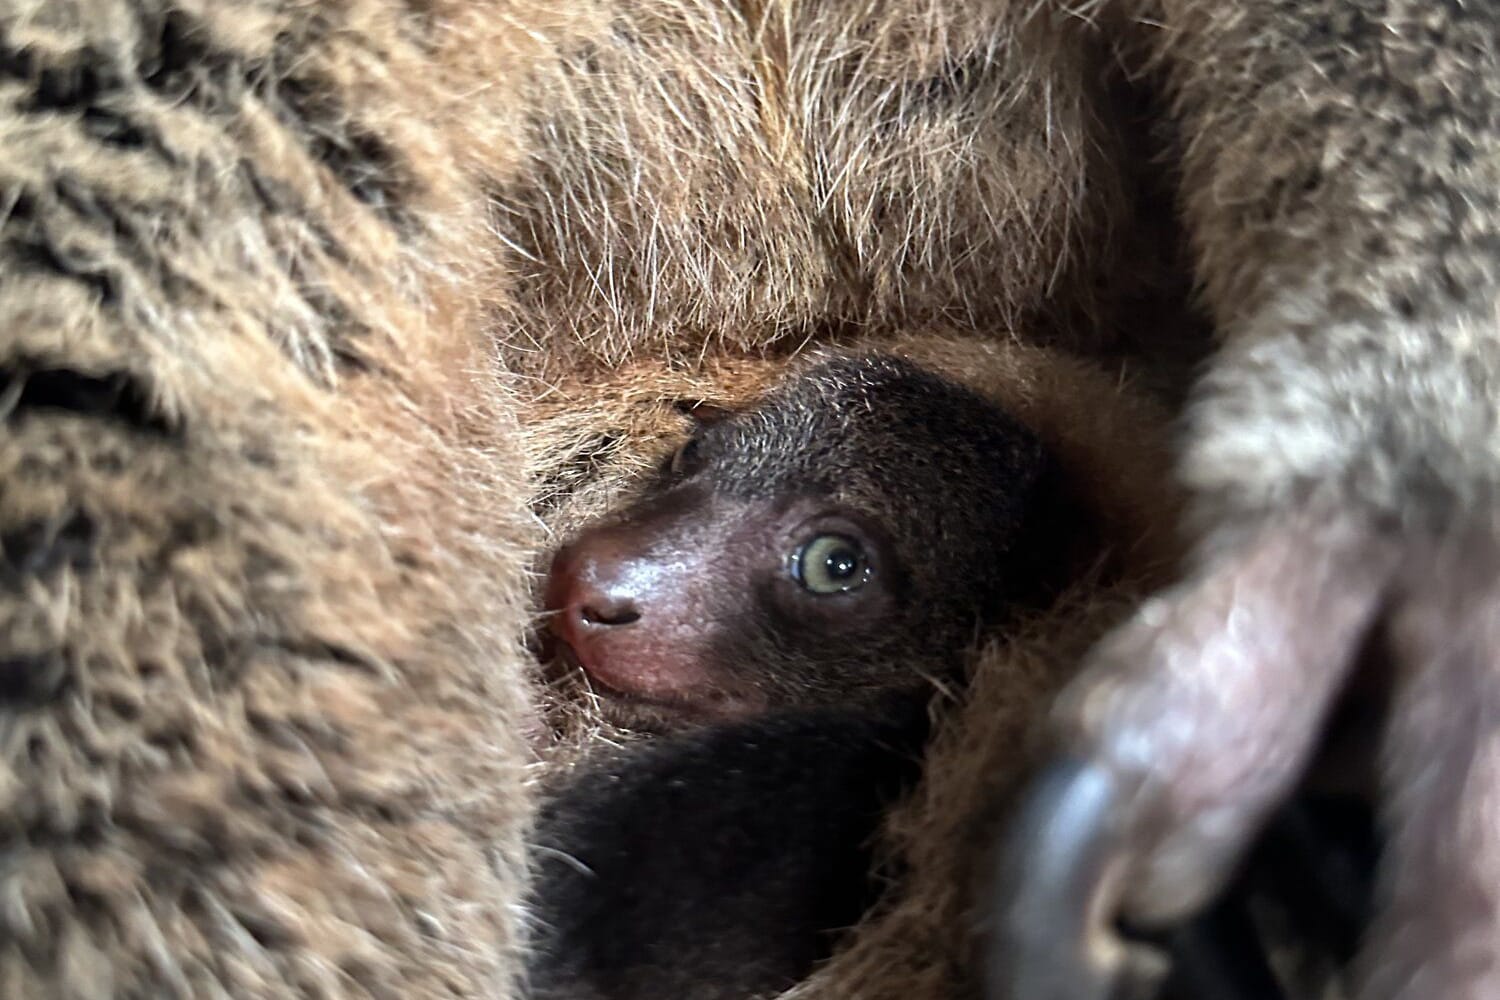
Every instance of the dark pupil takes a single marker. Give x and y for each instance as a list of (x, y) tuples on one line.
[(841, 563)]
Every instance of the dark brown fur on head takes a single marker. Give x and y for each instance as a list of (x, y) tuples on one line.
[(694, 601)]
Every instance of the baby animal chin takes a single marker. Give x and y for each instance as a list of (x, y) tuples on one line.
[(654, 711)]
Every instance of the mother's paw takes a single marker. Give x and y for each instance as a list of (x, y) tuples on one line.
[(1194, 721)]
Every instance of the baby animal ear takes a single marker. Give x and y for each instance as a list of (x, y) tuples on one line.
[(703, 412)]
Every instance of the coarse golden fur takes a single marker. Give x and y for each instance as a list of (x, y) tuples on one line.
[(711, 175)]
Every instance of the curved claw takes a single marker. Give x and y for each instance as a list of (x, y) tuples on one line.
[(1055, 894)]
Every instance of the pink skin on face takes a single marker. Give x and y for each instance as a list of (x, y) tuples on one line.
[(634, 603), (639, 603)]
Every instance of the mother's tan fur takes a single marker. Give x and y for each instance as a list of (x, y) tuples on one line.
[(263, 534)]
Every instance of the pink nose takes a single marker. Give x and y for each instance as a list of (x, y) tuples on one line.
[(592, 591), (622, 602)]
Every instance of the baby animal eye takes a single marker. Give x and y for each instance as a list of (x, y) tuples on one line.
[(830, 564)]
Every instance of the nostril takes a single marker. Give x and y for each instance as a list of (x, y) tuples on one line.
[(611, 613)]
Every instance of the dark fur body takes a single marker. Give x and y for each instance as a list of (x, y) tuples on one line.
[(720, 862)]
